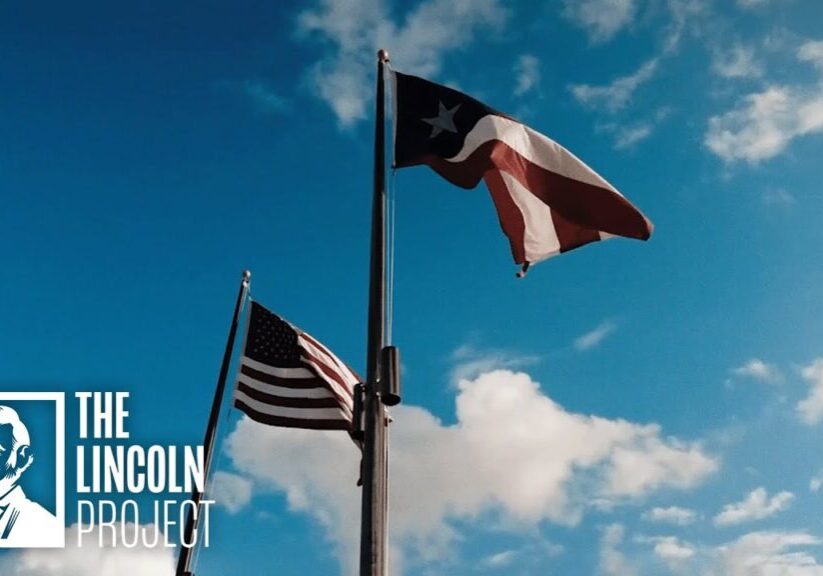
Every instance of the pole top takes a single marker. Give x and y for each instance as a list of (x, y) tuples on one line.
[(246, 275), (382, 55)]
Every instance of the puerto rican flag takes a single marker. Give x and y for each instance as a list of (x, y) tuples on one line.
[(548, 201)]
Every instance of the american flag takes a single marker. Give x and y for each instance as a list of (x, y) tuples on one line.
[(287, 378)]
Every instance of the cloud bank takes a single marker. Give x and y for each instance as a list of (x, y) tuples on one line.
[(514, 458), (90, 560), (763, 124), (671, 515), (602, 19), (759, 370), (810, 409), (595, 336), (353, 31), (756, 506)]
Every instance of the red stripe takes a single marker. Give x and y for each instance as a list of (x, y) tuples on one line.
[(282, 421), (509, 214), (287, 401), (334, 358), (318, 364), (296, 383), (584, 204), (571, 235)]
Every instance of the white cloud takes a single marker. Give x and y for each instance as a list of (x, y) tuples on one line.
[(264, 97), (628, 136), (753, 554), (617, 94), (752, 3), (816, 482), (230, 491), (635, 471), (763, 124), (756, 506), (768, 554), (778, 197), (356, 29), (672, 551), (670, 548), (536, 549), (317, 470), (513, 455), (684, 13), (594, 337), (613, 562), (601, 19), (527, 70), (737, 62), (758, 370), (810, 409), (499, 560), (812, 52), (91, 560), (671, 515), (470, 362)]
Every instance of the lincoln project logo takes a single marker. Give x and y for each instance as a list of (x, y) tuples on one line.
[(32, 442)]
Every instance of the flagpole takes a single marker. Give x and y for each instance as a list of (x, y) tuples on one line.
[(185, 556), (375, 448)]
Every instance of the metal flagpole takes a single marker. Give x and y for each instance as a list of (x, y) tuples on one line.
[(184, 558), (375, 450)]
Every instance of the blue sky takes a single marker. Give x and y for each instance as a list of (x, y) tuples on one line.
[(628, 408)]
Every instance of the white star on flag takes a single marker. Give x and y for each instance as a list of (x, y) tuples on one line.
[(443, 121)]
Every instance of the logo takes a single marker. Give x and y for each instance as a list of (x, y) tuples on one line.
[(32, 475)]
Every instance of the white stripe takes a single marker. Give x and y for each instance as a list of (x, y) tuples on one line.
[(289, 412), (338, 391), (278, 372), (328, 358), (533, 146), (345, 394), (540, 240), (273, 390)]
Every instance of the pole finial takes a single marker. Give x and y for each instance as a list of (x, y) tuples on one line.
[(246, 275), (383, 55)]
